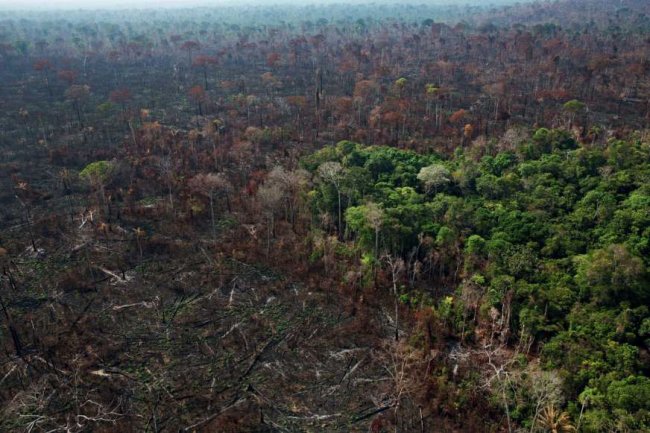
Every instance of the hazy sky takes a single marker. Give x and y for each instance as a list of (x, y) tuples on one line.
[(123, 4), (103, 4)]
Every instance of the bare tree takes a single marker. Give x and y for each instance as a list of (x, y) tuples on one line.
[(167, 169), (498, 378), (208, 184), (545, 390), (291, 184), (270, 196), (402, 364), (77, 94), (396, 267)]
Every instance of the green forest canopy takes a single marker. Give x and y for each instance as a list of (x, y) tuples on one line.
[(560, 229)]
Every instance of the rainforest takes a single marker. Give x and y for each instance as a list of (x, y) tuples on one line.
[(369, 217)]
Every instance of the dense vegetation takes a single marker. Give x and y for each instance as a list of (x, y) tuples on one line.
[(543, 243), (400, 218)]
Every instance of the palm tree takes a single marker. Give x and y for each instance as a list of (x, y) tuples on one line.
[(552, 420)]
